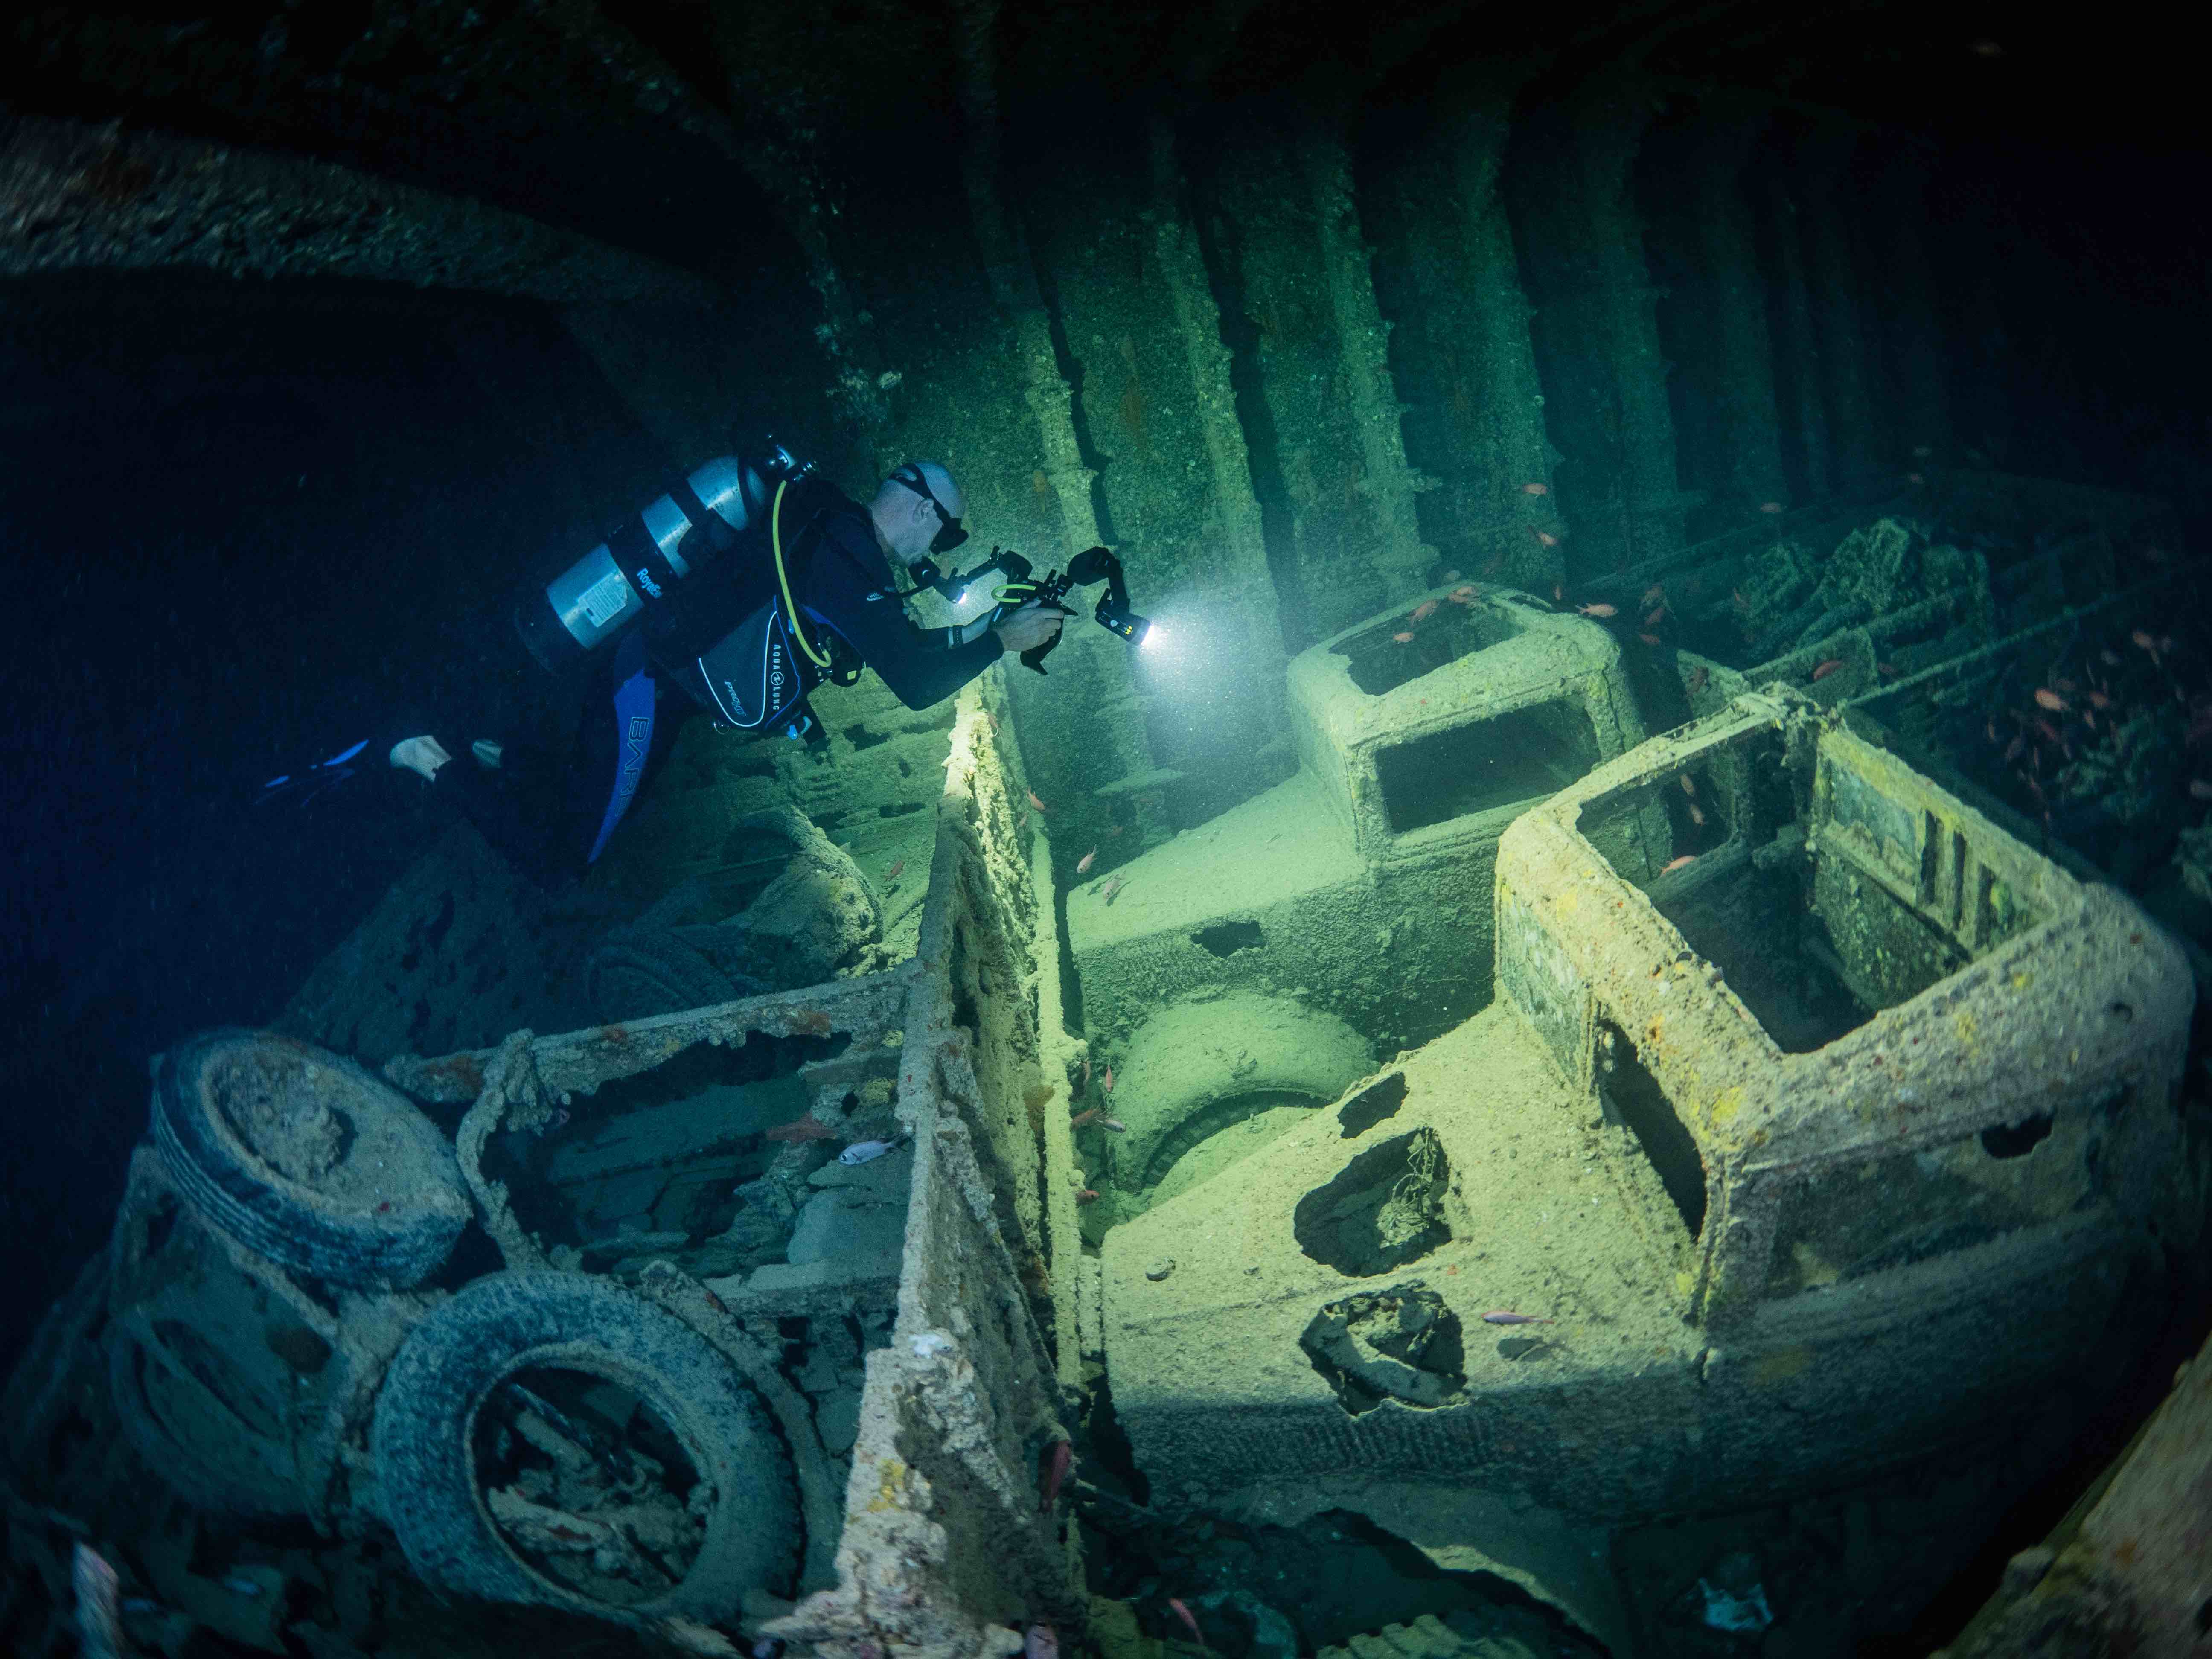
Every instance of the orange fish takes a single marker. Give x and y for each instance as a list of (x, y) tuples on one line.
[(1558, 592), (1087, 1114), (894, 872), (1424, 610), (1598, 610), (1823, 670), (1656, 617), (1401, 639), (2013, 749), (1544, 537), (2098, 700), (1035, 802), (1654, 595), (1649, 639), (1536, 489), (2050, 732), (1688, 788), (1464, 594), (1085, 1195), (1770, 508), (1696, 817), (1083, 865), (1058, 1460), (1673, 865), (1107, 1081), (2046, 698), (802, 1128), (2144, 640), (1189, 1623), (1113, 885)]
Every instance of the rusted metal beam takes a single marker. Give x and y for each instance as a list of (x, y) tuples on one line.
[(76, 197)]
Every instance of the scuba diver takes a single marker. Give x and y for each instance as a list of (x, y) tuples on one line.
[(745, 586)]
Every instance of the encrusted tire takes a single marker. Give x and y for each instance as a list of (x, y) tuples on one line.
[(425, 1437), (305, 1158), (639, 974), (224, 1374), (198, 1429), (1196, 1068)]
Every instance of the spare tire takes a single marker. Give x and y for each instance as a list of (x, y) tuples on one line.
[(305, 1158), (642, 972), (1195, 1069), (426, 1440)]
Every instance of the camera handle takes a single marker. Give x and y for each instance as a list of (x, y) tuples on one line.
[(1093, 565), (1035, 656)]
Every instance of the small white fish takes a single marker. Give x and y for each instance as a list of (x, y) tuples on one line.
[(867, 1151), (1115, 1124)]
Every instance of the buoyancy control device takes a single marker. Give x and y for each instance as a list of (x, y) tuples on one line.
[(663, 545)]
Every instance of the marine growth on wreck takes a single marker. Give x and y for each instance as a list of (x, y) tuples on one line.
[(1558, 1022)]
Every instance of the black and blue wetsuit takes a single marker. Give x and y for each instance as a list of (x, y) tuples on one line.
[(566, 740)]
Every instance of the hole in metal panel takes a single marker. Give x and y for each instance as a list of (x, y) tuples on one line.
[(1517, 756)]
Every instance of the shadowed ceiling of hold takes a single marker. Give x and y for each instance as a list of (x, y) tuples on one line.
[(622, 122)]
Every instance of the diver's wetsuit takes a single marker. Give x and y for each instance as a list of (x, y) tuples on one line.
[(558, 734), (844, 583)]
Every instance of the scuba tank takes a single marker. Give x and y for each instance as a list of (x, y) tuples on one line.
[(664, 544)]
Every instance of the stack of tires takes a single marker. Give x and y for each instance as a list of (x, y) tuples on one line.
[(299, 1194)]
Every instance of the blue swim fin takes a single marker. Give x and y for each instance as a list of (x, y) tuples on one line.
[(304, 785)]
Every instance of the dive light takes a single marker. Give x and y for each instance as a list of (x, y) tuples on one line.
[(1095, 564)]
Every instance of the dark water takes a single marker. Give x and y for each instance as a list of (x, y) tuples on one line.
[(241, 522)]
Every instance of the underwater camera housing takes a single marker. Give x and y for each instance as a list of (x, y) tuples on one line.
[(694, 522), (1095, 564)]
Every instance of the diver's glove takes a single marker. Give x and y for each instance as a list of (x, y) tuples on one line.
[(425, 754)]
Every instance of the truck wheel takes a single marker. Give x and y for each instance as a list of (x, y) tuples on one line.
[(644, 972), (303, 1158), (594, 1522), (1197, 1070), (200, 1421)]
